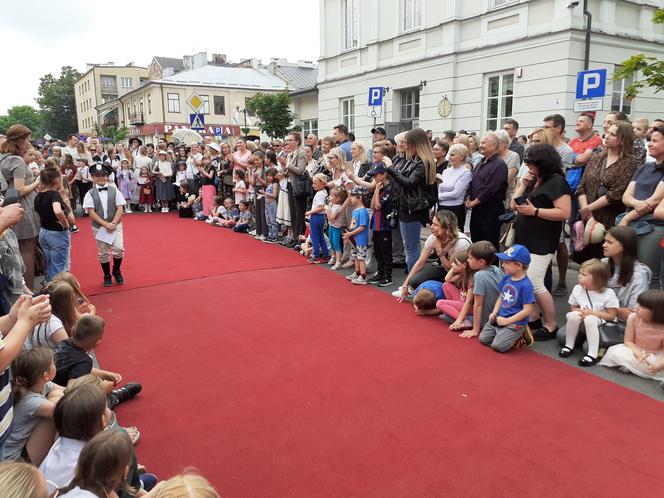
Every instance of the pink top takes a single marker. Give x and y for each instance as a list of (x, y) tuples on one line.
[(241, 159), (647, 336)]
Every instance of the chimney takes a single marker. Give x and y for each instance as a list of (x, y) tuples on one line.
[(219, 59), (199, 60), (187, 61)]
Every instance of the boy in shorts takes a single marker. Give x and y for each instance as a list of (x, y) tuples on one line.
[(358, 236)]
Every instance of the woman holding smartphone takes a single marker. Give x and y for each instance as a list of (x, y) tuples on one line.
[(542, 201)]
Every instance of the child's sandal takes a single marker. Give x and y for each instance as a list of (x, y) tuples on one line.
[(588, 361), (565, 352)]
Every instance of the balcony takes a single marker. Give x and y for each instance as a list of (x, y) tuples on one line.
[(136, 119)]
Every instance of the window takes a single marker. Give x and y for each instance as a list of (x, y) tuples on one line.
[(206, 103), (219, 104), (107, 97), (309, 126), (149, 105), (411, 14), (348, 113), (126, 82), (349, 23), (410, 107), (618, 100), (173, 102), (501, 3), (107, 80), (140, 106), (500, 98)]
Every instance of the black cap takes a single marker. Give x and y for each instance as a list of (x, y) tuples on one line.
[(100, 169), (378, 129)]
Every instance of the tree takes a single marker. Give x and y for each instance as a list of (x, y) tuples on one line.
[(273, 112), (651, 69), (25, 115), (58, 103)]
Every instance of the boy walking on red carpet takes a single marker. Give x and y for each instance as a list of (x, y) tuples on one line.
[(508, 322), (104, 203)]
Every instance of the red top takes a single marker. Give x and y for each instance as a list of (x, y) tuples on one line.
[(579, 146)]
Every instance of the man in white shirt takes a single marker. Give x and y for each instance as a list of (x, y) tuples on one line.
[(70, 149), (194, 155)]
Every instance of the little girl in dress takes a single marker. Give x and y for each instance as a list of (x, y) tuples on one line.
[(642, 353), (458, 290), (125, 176), (145, 183)]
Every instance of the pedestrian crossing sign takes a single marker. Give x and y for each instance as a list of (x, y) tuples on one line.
[(197, 122)]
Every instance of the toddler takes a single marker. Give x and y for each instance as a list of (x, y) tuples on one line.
[(124, 179), (338, 202), (240, 188), (593, 304), (358, 236), (271, 204), (317, 220), (146, 197)]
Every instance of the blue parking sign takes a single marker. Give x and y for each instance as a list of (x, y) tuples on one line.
[(376, 95), (591, 84)]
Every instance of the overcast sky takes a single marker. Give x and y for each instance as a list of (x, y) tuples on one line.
[(40, 37)]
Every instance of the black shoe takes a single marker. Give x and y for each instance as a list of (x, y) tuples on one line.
[(399, 265), (112, 401), (108, 281), (74, 229), (126, 392), (544, 334), (375, 279), (118, 277), (386, 282)]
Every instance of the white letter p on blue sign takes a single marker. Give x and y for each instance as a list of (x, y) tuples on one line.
[(590, 84), (376, 96)]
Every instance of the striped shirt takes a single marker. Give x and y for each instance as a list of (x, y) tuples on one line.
[(6, 408)]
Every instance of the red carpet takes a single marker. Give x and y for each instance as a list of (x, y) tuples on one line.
[(291, 382)]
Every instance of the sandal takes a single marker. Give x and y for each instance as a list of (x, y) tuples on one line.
[(134, 434), (588, 361), (544, 334), (565, 352)]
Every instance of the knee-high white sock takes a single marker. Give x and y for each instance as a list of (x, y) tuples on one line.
[(592, 333)]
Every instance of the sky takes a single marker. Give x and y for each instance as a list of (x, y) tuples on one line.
[(40, 37)]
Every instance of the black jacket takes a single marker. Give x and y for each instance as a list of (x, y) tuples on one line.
[(414, 195)]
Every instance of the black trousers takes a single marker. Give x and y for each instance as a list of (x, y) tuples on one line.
[(261, 224), (459, 211), (484, 222), (382, 247), (429, 272), (298, 206)]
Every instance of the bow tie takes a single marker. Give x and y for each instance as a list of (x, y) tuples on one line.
[(102, 188)]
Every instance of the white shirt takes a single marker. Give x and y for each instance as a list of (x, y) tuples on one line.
[(599, 301), (79, 493), (319, 199), (103, 196), (453, 185), (60, 463), (191, 166), (41, 334)]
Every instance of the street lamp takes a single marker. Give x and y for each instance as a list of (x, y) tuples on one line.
[(245, 130)]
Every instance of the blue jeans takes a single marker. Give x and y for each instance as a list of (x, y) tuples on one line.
[(316, 225), (56, 250), (271, 219), (410, 233)]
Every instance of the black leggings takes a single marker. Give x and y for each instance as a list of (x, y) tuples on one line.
[(298, 206), (429, 272)]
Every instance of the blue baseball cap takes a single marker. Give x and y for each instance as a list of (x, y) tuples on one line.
[(515, 253), (357, 190), (378, 168)]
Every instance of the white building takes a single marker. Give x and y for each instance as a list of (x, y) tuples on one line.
[(491, 59)]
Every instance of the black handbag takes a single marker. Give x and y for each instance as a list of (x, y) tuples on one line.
[(610, 333), (302, 186)]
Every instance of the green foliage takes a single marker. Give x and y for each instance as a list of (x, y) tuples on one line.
[(650, 69), (113, 133), (273, 112), (58, 103), (25, 115)]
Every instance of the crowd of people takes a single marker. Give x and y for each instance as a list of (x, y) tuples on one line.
[(499, 209)]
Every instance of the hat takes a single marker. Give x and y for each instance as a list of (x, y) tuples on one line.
[(593, 233), (179, 162), (378, 129), (214, 146), (515, 253), (140, 142), (100, 169), (162, 152), (378, 168), (357, 190)]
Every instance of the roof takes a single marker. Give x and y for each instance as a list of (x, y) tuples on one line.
[(173, 62), (234, 77), (298, 78)]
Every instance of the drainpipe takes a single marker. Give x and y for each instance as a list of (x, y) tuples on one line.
[(589, 22)]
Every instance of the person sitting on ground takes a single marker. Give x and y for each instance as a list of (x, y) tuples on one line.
[(593, 304), (229, 215), (22, 479), (643, 350), (358, 236), (508, 322), (187, 485), (35, 397), (481, 256), (101, 467), (73, 360), (217, 212), (64, 314), (457, 305), (186, 206), (244, 219), (424, 300), (446, 240), (629, 277)]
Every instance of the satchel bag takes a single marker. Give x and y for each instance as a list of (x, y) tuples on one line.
[(507, 240), (610, 333), (302, 186)]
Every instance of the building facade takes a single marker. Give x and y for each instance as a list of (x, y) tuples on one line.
[(103, 83), (454, 64)]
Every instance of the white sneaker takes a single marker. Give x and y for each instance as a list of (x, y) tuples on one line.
[(359, 281), (352, 276), (128, 211), (252, 232), (209, 222), (336, 266), (332, 261), (259, 237), (164, 210), (397, 293)]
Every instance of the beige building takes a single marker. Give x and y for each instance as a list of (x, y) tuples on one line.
[(103, 83)]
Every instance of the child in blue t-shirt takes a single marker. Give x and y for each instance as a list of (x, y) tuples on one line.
[(508, 323), (358, 236)]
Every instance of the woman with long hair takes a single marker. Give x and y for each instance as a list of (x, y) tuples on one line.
[(19, 176), (415, 182)]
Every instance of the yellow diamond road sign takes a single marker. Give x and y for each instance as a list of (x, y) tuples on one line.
[(195, 102)]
